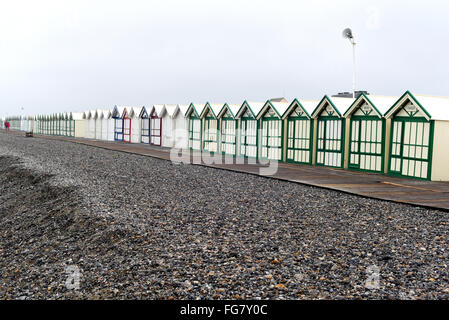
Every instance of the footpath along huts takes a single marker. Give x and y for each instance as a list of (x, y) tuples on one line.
[(418, 137), (211, 127), (299, 131), (330, 131), (367, 133), (194, 126), (228, 129), (249, 129)]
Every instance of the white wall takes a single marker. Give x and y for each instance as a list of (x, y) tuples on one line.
[(440, 157)]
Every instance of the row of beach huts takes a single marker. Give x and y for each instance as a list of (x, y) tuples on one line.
[(400, 136)]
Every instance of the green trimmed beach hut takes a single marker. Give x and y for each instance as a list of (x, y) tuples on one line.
[(194, 125), (211, 127), (299, 133), (228, 129), (248, 145), (330, 131), (367, 132), (418, 139), (271, 127)]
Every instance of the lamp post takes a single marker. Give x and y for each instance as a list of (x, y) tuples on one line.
[(347, 34)]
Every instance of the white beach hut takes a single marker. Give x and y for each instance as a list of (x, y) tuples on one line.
[(169, 125), (181, 132)]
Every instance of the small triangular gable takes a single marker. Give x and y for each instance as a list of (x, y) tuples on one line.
[(296, 110), (143, 113), (208, 112), (407, 106), (125, 113), (191, 110), (326, 109), (268, 111), (363, 106)]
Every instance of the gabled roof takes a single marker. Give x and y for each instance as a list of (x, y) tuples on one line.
[(379, 104), (253, 107), (278, 107), (134, 112), (105, 114), (336, 104), (195, 107), (305, 105), (233, 109), (434, 108), (117, 112), (215, 108), (90, 114), (158, 109), (125, 113), (182, 108), (143, 113), (170, 110)]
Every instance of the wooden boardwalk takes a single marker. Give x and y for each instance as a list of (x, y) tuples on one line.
[(415, 192)]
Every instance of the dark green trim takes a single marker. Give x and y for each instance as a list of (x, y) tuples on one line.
[(403, 120), (265, 109), (292, 107), (357, 101), (235, 136), (292, 120), (395, 105), (246, 144), (245, 104), (359, 153), (319, 109), (342, 141), (281, 137)]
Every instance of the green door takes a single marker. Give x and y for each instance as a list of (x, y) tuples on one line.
[(299, 145), (366, 145), (330, 146), (271, 139), (228, 136), (210, 134), (411, 147), (194, 133)]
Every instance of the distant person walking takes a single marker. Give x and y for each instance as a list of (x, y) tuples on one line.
[(7, 125)]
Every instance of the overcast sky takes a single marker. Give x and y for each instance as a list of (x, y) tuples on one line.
[(77, 55)]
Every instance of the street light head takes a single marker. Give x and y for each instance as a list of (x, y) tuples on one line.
[(347, 34)]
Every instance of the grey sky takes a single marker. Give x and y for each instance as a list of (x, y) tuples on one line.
[(77, 55)]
